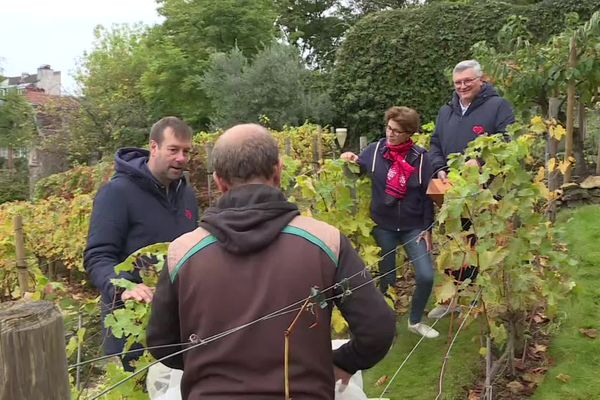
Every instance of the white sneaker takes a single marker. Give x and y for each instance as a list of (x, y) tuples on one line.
[(441, 311), (423, 329)]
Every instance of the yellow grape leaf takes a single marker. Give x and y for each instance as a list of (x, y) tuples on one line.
[(564, 166), (541, 174), (564, 378), (338, 322), (483, 351), (551, 164), (538, 125), (557, 132), (445, 291)]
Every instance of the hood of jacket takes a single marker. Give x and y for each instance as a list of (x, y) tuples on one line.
[(133, 162), (249, 217), (487, 91)]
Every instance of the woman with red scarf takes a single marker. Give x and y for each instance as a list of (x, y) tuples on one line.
[(400, 172)]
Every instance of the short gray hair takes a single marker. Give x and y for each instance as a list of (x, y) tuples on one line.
[(468, 64)]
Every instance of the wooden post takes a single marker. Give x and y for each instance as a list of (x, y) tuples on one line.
[(362, 143), (22, 273), (320, 143), (315, 152), (288, 146), (33, 361), (209, 171), (570, 113), (581, 168)]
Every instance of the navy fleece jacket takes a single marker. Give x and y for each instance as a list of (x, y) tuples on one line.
[(415, 211), (454, 131)]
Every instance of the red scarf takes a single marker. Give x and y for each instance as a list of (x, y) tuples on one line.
[(400, 171)]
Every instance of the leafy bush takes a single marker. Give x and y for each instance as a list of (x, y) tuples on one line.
[(275, 84), (403, 57)]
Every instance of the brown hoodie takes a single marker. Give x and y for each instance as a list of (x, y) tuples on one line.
[(254, 255)]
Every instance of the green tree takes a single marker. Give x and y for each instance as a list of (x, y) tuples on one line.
[(113, 112), (17, 124), (17, 132), (201, 27), (275, 85), (316, 28), (179, 50)]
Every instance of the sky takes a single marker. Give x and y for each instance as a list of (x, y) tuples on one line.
[(57, 32)]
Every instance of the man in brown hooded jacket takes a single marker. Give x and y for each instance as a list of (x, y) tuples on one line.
[(254, 255)]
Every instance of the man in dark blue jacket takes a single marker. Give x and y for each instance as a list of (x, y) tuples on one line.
[(475, 109), (147, 201)]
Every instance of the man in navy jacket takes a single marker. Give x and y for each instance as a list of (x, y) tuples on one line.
[(147, 201), (475, 109)]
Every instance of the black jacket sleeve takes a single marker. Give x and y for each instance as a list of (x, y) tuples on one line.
[(504, 117), (163, 328), (437, 157), (372, 322), (106, 238)]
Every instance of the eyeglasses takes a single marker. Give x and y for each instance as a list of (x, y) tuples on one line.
[(396, 131), (466, 82)]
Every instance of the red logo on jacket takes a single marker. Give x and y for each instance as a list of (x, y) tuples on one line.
[(478, 130), (188, 214)]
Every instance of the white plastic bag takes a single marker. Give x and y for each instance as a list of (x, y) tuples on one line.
[(163, 382), (354, 389)]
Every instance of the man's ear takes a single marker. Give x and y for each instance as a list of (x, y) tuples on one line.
[(277, 170), (221, 183), (153, 147)]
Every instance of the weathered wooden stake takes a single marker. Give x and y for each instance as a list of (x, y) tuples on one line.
[(570, 114), (362, 143), (33, 361), (288, 146), (22, 273), (209, 171)]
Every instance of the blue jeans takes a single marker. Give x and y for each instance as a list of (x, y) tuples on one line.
[(418, 256)]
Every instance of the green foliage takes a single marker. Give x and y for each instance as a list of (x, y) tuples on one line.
[(403, 57), (517, 252), (208, 26), (316, 28), (17, 122), (78, 180), (112, 111), (274, 84), (14, 184), (334, 194), (530, 72), (179, 50), (575, 355)]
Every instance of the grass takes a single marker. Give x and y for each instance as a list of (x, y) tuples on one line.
[(577, 356), (419, 377)]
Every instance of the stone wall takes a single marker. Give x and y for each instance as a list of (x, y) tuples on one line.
[(575, 195)]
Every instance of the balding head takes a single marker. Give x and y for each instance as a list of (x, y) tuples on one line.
[(245, 154)]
